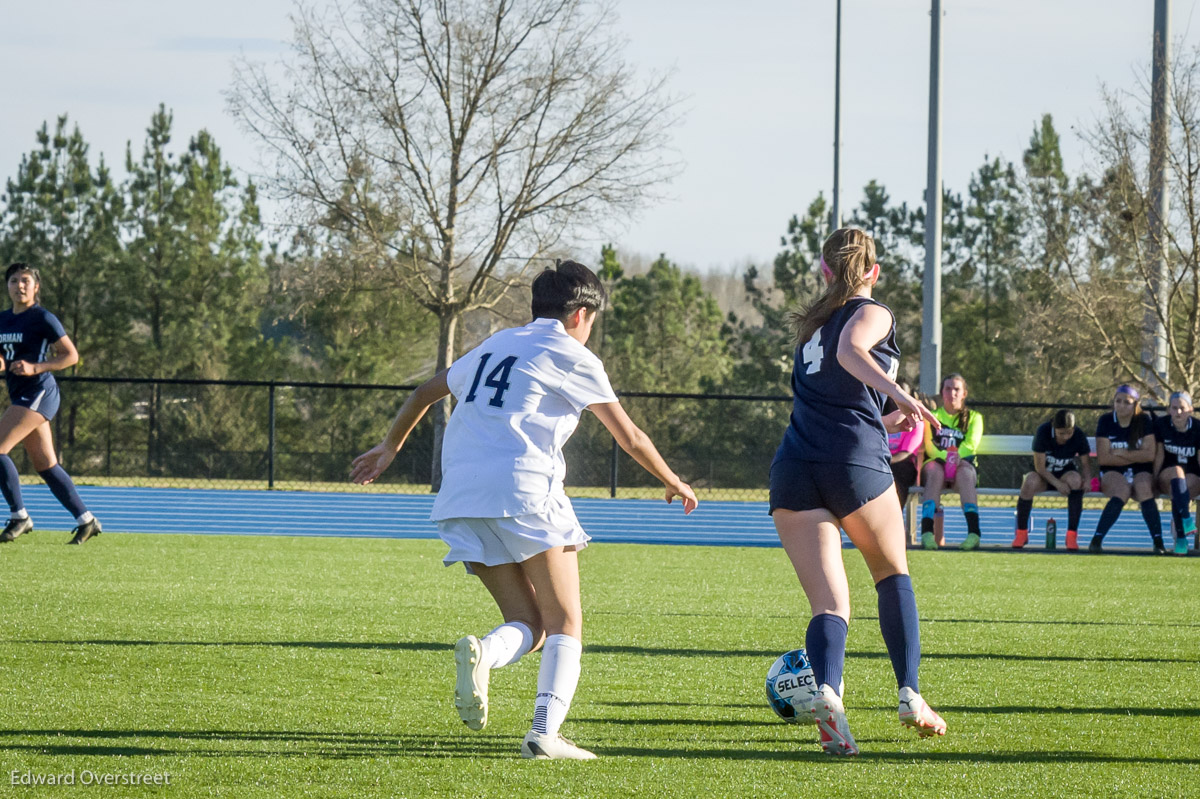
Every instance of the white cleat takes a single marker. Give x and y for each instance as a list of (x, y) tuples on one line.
[(916, 713), (471, 688), (552, 747), (830, 716)]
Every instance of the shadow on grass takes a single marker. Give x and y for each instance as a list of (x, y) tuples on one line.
[(352, 745), (862, 618), (257, 743), (601, 649), (1164, 712)]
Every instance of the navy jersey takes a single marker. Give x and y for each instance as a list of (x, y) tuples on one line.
[(1179, 446), (1118, 437), (27, 336), (1060, 457), (836, 418)]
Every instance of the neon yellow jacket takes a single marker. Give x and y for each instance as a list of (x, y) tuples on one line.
[(967, 440)]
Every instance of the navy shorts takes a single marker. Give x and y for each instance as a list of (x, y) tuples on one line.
[(44, 399), (840, 488)]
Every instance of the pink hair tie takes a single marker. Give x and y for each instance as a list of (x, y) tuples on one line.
[(825, 270)]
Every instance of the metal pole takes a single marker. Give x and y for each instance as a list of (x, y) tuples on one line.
[(837, 122), (271, 436), (931, 326), (1154, 355), (612, 471)]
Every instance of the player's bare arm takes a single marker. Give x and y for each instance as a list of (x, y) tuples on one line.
[(633, 440), (868, 327), (369, 465), (65, 355)]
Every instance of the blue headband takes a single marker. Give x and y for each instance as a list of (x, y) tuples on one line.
[(1130, 390)]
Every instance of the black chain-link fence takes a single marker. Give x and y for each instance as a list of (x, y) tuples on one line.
[(239, 434)]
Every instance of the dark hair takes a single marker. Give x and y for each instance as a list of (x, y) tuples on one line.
[(566, 288), (1063, 419), (1139, 423), (849, 253), (21, 266), (964, 416)]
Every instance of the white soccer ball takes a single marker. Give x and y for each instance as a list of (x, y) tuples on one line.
[(791, 687)]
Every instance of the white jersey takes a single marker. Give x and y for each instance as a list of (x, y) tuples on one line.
[(520, 394)]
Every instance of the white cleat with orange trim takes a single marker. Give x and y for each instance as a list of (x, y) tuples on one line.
[(916, 713), (830, 716)]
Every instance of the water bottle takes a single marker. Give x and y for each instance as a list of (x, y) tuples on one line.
[(951, 463), (1051, 533)]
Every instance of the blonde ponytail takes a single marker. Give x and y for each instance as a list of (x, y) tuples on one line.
[(849, 254)]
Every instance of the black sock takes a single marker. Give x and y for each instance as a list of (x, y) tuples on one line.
[(1108, 517), (1024, 508), (1153, 519), (972, 517), (926, 525), (1074, 509)]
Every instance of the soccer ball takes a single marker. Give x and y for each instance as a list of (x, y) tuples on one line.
[(790, 687)]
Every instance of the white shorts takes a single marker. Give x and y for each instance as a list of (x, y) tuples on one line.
[(511, 539)]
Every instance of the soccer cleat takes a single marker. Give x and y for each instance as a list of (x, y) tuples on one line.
[(471, 687), (15, 529), (1020, 539), (85, 531), (916, 713), (1159, 547), (1096, 547), (928, 541), (1181, 546), (539, 746), (971, 544), (1072, 540), (830, 716), (1189, 526)]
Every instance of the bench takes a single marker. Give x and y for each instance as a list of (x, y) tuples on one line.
[(988, 445)]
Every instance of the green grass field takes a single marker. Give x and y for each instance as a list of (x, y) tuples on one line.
[(281, 667)]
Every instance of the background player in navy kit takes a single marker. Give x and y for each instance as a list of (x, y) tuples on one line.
[(1056, 446), (832, 470), (1125, 446), (1176, 465), (502, 507), (28, 333)]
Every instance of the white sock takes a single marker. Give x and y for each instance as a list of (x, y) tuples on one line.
[(507, 643), (84, 517), (557, 678), (17, 515)]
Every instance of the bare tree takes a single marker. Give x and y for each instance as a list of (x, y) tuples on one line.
[(1110, 255), (460, 141)]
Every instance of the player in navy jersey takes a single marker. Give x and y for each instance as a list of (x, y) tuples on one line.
[(1176, 464), (1060, 462), (33, 343), (502, 508), (1125, 446), (832, 470)]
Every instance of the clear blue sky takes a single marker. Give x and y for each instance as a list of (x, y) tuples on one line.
[(757, 75)]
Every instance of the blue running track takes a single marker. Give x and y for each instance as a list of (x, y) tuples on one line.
[(638, 521)]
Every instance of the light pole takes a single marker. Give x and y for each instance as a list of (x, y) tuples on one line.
[(837, 121), (931, 325), (1154, 353)]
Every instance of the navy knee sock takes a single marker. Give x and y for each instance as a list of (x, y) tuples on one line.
[(1024, 507), (64, 490), (1074, 509), (1108, 516), (1153, 519), (1180, 503), (825, 644), (10, 484), (901, 631)]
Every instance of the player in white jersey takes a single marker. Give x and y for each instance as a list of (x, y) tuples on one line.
[(502, 508)]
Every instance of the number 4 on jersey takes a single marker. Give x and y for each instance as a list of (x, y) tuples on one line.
[(813, 353), (497, 379)]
